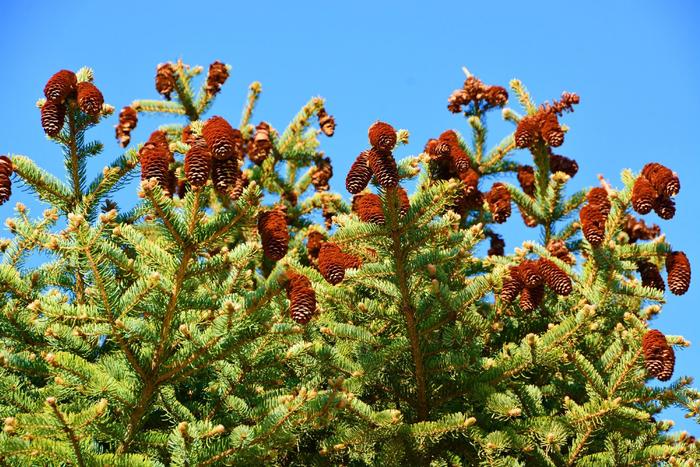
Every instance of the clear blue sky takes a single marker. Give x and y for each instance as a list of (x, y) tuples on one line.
[(636, 65)]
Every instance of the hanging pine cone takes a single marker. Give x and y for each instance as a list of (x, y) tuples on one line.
[(128, 118), (404, 202), (496, 96), (558, 249), (302, 298), (60, 86), (52, 118), (217, 76), (187, 134), (527, 132), (593, 224), (662, 179), (382, 136), (550, 130), (261, 146), (598, 196), (198, 163), (554, 277), (563, 164), (526, 178), (470, 178), (314, 240), (383, 167), (512, 285), (659, 358), (225, 175), (368, 208), (359, 174), (530, 273), (240, 184), (651, 277), (331, 263), (165, 80), (326, 122), (5, 180), (322, 174), (498, 199), (272, 226), (437, 149), (224, 141), (531, 297), (155, 160), (90, 98), (496, 245), (643, 195), (637, 229), (678, 269), (665, 207), (351, 261), (460, 159)]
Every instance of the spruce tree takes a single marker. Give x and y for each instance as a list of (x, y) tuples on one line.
[(220, 321)]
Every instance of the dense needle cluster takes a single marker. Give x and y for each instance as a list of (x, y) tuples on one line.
[(659, 358), (5, 180), (128, 119), (272, 226), (594, 215), (302, 298), (653, 189), (476, 97)]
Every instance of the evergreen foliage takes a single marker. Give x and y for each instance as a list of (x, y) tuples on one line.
[(196, 328)]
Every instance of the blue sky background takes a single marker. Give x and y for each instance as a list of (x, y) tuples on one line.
[(636, 65)]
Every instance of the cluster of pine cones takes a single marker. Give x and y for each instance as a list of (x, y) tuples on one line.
[(677, 270), (653, 189), (543, 125), (476, 97), (659, 358), (61, 88), (528, 280)]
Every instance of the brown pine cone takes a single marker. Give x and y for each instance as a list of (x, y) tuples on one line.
[(496, 96), (240, 184), (526, 177), (326, 122), (496, 245), (198, 163), (359, 174), (155, 158), (529, 221), (498, 199), (470, 178), (558, 249), (404, 202), (314, 240), (643, 195), (512, 285), (60, 86), (662, 179), (331, 263), (531, 297), (593, 224), (598, 196), (52, 118), (550, 130), (217, 76), (383, 167), (187, 134), (272, 226), (165, 80), (322, 174), (437, 149), (530, 273), (368, 208), (261, 146), (563, 164), (302, 298), (225, 142), (651, 277), (5, 180), (527, 132), (678, 270), (637, 229), (554, 277), (90, 99), (665, 207), (225, 175), (128, 118), (382, 136), (351, 261), (460, 159), (659, 358)]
